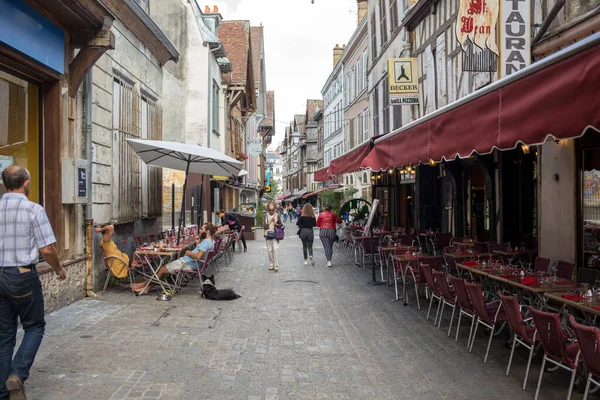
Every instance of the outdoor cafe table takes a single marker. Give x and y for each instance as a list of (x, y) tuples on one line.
[(590, 308), (464, 244), (387, 252), (536, 291), (512, 254), (156, 258)]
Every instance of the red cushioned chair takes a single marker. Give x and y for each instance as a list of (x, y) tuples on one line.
[(488, 314), (520, 333), (556, 348), (588, 338), (448, 297)]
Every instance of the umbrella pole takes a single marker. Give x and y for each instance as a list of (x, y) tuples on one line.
[(187, 169)]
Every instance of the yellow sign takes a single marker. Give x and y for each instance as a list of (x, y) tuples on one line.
[(403, 81), (220, 178), (267, 188)]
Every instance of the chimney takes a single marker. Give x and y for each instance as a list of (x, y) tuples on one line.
[(337, 53), (216, 9), (207, 9), (362, 9)]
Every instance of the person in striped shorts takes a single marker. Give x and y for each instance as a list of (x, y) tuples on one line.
[(326, 222)]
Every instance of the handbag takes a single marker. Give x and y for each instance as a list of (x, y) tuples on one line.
[(279, 232), (270, 235)]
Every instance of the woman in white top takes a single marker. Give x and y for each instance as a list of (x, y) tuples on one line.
[(272, 220)]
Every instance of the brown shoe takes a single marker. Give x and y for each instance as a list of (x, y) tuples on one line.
[(15, 388)]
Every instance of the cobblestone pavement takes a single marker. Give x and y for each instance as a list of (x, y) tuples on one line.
[(302, 333)]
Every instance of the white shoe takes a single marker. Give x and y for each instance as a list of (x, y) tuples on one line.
[(329, 263), (312, 261), (305, 262)]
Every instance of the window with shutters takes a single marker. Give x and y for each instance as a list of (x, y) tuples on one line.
[(373, 37), (397, 117), (358, 130), (376, 111), (366, 124), (383, 22), (151, 124), (126, 163), (351, 133), (386, 106), (359, 76), (393, 15)]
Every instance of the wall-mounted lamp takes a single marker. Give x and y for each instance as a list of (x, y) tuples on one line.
[(431, 162), (525, 149), (390, 171), (409, 169)]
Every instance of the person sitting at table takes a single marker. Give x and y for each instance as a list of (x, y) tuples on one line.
[(204, 244), (124, 251)]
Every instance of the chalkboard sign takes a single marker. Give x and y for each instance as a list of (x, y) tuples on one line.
[(81, 182)]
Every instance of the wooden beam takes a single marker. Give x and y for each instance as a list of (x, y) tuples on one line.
[(89, 38), (87, 57)]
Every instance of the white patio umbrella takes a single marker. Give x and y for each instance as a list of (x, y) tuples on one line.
[(243, 172), (185, 157)]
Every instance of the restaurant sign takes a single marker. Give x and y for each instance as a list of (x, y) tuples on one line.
[(476, 34), (403, 81), (516, 36)]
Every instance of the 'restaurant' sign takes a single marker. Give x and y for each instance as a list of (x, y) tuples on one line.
[(403, 81), (515, 21), (477, 22)]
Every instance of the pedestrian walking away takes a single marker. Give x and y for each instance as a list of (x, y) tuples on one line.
[(306, 224), (25, 232), (285, 215), (327, 226), (271, 221), (232, 222)]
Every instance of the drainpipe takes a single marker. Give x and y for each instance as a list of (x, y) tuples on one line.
[(89, 221), (209, 121)]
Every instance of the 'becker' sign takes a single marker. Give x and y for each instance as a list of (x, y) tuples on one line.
[(515, 23)]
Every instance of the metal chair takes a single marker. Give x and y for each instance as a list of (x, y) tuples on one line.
[(448, 297), (492, 247), (588, 338), (564, 269), (541, 264), (466, 307), (201, 264), (521, 334), (404, 270), (441, 241), (434, 289), (108, 263), (488, 314), (238, 239), (556, 349), (587, 275)]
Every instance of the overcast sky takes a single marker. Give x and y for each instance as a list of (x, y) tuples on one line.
[(299, 41)]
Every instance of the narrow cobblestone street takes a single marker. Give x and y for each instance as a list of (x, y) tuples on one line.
[(303, 333)]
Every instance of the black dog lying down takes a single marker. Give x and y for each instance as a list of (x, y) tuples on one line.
[(210, 292)]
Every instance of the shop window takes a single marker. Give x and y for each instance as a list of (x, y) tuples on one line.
[(126, 163), (19, 129)]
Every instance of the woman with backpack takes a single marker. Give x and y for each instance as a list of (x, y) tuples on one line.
[(306, 223)]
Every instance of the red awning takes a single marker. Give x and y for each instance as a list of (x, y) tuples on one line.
[(350, 162), (557, 97), (321, 175)]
